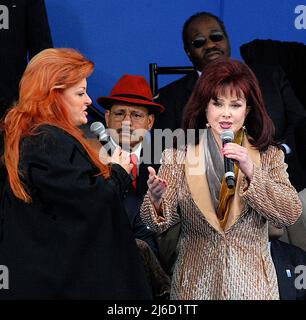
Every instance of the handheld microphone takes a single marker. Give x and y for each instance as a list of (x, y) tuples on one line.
[(226, 137), (99, 130)]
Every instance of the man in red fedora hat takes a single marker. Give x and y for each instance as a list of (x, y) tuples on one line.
[(130, 111), (129, 115)]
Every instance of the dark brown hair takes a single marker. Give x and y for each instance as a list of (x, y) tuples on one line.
[(216, 77)]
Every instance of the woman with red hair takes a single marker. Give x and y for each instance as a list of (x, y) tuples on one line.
[(64, 232), (223, 245)]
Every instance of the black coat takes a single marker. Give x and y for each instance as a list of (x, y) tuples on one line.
[(134, 198), (28, 34), (74, 240), (174, 97), (290, 55), (282, 105), (286, 258)]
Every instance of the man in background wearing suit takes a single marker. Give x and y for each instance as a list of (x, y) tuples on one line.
[(205, 39), (286, 258), (129, 115)]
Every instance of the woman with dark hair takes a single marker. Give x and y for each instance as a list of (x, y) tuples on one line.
[(223, 245), (64, 233)]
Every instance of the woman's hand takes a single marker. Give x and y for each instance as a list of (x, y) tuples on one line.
[(122, 158), (241, 156), (156, 188)]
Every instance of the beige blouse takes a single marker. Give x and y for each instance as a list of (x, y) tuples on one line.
[(233, 263)]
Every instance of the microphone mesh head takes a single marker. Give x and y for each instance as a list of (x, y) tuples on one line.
[(97, 128), (227, 135)]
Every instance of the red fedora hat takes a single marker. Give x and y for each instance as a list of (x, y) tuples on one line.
[(131, 89)]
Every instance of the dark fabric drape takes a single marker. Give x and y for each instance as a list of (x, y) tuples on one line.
[(289, 55)]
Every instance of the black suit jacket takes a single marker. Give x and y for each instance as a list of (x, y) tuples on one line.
[(133, 198), (282, 105), (73, 241), (174, 97), (286, 257), (289, 55), (281, 102)]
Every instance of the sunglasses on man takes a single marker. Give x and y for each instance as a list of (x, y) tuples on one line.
[(214, 37)]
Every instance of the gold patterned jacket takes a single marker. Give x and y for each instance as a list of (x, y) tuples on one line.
[(234, 262)]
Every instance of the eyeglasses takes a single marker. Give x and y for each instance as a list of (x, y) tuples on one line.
[(136, 116), (214, 37)]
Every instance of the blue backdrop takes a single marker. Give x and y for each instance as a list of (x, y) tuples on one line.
[(124, 36)]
